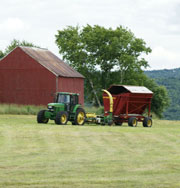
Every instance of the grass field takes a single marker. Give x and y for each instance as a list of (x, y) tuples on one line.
[(34, 155)]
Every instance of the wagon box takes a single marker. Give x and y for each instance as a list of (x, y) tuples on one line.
[(129, 104)]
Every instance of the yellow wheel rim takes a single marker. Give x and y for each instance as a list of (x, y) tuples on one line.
[(63, 118), (149, 123), (80, 118), (134, 123)]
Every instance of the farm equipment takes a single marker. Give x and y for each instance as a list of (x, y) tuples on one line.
[(129, 104), (66, 108), (125, 104), (121, 104)]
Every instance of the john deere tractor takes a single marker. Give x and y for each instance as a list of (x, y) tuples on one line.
[(65, 108)]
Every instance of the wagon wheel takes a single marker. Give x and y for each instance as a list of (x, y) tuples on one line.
[(147, 122), (132, 122), (80, 117), (61, 118), (41, 118)]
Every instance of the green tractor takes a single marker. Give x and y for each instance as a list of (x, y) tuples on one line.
[(66, 108)]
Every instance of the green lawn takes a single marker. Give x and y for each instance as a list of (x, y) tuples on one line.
[(34, 155)]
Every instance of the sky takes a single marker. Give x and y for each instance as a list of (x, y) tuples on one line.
[(157, 22)]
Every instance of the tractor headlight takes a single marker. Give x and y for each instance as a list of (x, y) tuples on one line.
[(50, 108)]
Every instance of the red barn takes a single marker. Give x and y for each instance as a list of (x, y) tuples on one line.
[(31, 75)]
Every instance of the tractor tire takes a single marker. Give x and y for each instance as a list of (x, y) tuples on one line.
[(80, 117), (110, 122), (61, 118), (147, 122), (41, 118), (132, 122)]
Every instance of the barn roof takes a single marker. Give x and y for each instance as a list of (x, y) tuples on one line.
[(51, 62), (116, 89)]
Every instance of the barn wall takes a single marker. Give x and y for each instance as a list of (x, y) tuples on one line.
[(74, 85), (25, 81)]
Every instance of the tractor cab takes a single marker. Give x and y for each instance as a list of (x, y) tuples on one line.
[(65, 108), (69, 100), (62, 98)]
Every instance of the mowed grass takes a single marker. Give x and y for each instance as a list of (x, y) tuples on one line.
[(36, 155)]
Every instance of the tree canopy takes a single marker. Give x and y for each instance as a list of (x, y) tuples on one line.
[(14, 43), (107, 56), (97, 48), (1, 54)]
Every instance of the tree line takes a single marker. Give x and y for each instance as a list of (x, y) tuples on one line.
[(171, 80)]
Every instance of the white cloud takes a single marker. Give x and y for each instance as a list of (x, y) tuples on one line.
[(13, 25), (160, 52), (156, 21), (162, 58)]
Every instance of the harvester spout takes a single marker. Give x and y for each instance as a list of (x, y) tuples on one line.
[(110, 100)]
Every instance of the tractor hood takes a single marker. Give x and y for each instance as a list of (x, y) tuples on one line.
[(55, 104)]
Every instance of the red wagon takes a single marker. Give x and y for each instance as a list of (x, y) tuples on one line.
[(130, 104)]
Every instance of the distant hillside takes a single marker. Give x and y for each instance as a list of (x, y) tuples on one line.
[(171, 80)]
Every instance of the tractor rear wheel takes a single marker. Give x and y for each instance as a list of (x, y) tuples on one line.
[(147, 122), (132, 122), (61, 118), (41, 118), (80, 117)]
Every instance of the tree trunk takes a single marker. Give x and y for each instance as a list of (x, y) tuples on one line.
[(121, 79), (94, 91)]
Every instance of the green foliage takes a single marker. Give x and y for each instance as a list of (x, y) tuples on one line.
[(20, 109), (14, 43), (1, 54), (160, 100), (103, 56), (93, 109), (171, 80), (93, 48), (108, 56)]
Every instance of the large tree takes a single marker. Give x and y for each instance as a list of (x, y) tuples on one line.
[(108, 56), (95, 50)]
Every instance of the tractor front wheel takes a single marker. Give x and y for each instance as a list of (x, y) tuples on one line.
[(41, 118), (80, 117), (61, 118), (132, 122)]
